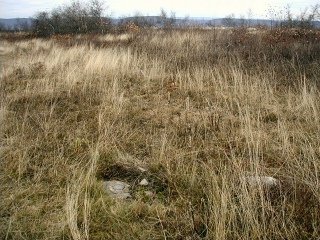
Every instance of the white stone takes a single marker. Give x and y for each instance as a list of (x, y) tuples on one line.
[(142, 169), (262, 180), (149, 193), (144, 182)]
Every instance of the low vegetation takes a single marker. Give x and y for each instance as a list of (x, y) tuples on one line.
[(200, 109)]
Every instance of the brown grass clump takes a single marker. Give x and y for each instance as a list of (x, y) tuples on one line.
[(199, 109)]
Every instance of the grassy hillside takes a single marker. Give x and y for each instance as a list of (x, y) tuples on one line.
[(201, 110)]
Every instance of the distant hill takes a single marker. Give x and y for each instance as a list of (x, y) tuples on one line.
[(15, 23)]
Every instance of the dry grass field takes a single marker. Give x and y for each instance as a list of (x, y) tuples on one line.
[(201, 110)]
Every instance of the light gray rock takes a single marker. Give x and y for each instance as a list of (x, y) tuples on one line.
[(149, 193), (143, 182), (117, 189), (142, 169), (267, 181)]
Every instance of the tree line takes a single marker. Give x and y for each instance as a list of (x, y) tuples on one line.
[(79, 17)]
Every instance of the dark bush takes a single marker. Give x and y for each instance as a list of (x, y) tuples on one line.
[(73, 18)]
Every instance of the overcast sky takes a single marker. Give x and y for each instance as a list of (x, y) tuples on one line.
[(182, 8)]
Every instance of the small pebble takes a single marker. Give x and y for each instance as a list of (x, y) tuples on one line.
[(143, 182)]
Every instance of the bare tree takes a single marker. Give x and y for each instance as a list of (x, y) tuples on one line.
[(249, 18), (307, 17), (229, 21), (166, 21), (42, 24), (97, 22)]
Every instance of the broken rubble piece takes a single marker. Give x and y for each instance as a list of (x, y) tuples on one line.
[(143, 182), (262, 180), (117, 189)]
